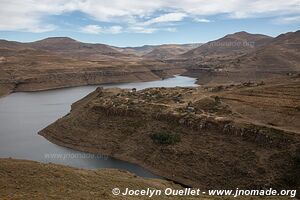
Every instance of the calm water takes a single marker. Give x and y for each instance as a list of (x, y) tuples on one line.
[(23, 114)]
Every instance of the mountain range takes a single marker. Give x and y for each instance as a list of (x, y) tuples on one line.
[(63, 62)]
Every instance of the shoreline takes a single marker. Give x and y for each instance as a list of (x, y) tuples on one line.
[(89, 116), (74, 86), (154, 171), (167, 82), (134, 77)]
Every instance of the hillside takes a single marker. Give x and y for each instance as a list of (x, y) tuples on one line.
[(231, 44), (166, 50), (246, 133), (214, 53), (69, 47), (275, 58), (22, 179), (169, 51), (282, 54), (64, 62)]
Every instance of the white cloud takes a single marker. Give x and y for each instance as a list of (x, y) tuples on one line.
[(114, 29), (25, 16), (141, 29), (202, 20), (287, 20), (92, 29), (170, 17), (31, 15), (95, 29), (171, 29)]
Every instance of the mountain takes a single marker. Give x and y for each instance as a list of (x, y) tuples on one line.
[(159, 51), (268, 59), (142, 50), (282, 54), (12, 45), (69, 47), (64, 62), (168, 51), (231, 44)]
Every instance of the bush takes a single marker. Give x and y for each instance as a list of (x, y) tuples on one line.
[(165, 138)]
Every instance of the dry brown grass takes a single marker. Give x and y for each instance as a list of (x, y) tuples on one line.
[(21, 179)]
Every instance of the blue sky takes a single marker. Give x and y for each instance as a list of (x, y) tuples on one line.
[(136, 22)]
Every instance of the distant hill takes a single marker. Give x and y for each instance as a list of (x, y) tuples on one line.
[(168, 51), (70, 47), (231, 44), (12, 45), (159, 51), (142, 50), (268, 58), (64, 62), (280, 54), (235, 57)]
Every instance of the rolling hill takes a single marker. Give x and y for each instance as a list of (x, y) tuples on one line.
[(231, 44), (63, 62)]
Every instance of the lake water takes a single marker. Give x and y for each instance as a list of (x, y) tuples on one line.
[(23, 114)]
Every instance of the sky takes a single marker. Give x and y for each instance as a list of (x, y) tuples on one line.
[(141, 22)]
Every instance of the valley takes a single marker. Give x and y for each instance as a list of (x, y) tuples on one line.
[(221, 115)]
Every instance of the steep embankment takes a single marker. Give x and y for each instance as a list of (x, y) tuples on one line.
[(222, 137), (64, 62)]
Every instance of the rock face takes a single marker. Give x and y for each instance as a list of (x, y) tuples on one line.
[(64, 62), (222, 137)]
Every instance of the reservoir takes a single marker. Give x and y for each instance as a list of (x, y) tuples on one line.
[(24, 114)]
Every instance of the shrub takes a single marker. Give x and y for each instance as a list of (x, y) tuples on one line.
[(165, 138)]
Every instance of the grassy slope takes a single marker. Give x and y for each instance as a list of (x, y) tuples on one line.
[(21, 179)]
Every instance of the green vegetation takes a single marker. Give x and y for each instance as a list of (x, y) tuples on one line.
[(165, 138)]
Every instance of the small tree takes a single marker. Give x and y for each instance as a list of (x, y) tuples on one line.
[(165, 138)]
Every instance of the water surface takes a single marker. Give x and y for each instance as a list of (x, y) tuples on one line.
[(23, 114)]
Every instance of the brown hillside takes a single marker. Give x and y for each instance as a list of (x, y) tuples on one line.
[(231, 44), (243, 136)]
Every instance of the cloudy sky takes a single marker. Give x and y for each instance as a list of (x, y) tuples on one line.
[(139, 22)]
